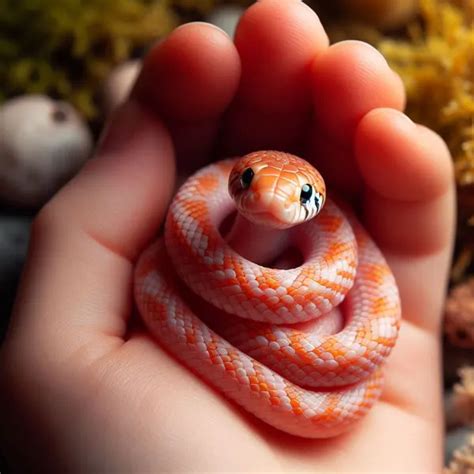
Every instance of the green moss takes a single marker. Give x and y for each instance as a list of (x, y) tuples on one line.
[(65, 48)]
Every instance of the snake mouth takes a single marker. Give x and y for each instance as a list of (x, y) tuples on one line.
[(268, 218)]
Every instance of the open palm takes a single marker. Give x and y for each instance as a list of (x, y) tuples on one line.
[(84, 387)]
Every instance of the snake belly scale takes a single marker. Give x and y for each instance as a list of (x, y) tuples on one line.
[(264, 349)]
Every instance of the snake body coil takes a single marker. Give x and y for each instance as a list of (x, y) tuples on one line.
[(271, 343)]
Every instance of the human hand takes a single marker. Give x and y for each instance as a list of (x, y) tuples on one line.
[(85, 388)]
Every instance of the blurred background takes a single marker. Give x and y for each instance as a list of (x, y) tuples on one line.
[(65, 65)]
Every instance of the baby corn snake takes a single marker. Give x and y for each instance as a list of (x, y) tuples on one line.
[(270, 342)]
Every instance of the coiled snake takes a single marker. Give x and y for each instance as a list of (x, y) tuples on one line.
[(302, 347)]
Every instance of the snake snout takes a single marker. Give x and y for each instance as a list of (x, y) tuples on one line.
[(268, 208)]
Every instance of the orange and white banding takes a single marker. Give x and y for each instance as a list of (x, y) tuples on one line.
[(268, 345)]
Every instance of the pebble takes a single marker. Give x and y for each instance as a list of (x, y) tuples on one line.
[(43, 143)]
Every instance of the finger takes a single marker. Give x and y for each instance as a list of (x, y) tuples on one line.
[(408, 171), (84, 242), (277, 42), (190, 78), (415, 351), (409, 205), (348, 80)]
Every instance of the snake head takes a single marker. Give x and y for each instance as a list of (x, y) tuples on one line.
[(276, 189)]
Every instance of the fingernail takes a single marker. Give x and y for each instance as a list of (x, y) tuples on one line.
[(403, 118), (394, 116), (124, 125)]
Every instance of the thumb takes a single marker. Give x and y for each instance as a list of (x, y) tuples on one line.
[(85, 240)]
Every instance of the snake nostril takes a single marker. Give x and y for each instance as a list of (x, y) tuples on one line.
[(254, 197)]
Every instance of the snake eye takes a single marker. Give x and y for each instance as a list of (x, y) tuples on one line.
[(246, 178), (306, 193)]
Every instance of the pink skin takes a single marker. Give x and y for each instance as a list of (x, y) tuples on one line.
[(83, 386)]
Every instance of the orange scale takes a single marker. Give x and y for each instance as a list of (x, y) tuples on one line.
[(329, 346), (331, 350), (262, 282), (296, 407), (384, 341), (300, 299), (341, 357), (291, 291), (330, 412), (248, 292), (275, 401), (241, 277), (306, 274), (380, 304), (369, 395), (343, 363), (270, 336), (262, 277), (335, 287), (208, 183), (306, 298), (345, 274), (253, 379), (268, 280), (302, 352), (211, 350), (244, 284), (363, 334), (378, 269)]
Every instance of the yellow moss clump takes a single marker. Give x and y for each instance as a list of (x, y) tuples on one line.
[(464, 395), (436, 63), (437, 66), (463, 458), (383, 14), (65, 48)]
